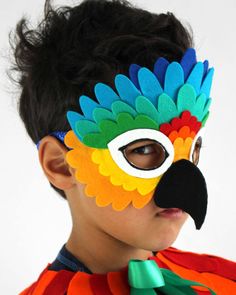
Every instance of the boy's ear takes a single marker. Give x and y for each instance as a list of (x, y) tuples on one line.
[(52, 159)]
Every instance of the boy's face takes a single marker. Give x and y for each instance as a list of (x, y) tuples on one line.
[(158, 116)]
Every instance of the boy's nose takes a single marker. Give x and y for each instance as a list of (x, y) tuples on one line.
[(183, 186)]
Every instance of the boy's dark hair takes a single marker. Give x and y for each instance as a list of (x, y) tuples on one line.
[(73, 48)]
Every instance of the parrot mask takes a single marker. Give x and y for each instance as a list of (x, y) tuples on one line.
[(142, 141)]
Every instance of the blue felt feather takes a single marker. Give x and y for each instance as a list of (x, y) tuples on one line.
[(206, 85), (206, 65), (126, 89), (188, 61), (73, 118), (87, 106), (149, 85), (195, 77), (133, 73), (174, 79), (159, 69), (105, 95)]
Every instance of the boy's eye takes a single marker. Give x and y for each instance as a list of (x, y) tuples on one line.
[(196, 151), (145, 154)]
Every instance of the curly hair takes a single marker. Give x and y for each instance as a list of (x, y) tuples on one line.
[(73, 48)]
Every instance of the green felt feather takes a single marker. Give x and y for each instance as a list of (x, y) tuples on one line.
[(109, 129), (205, 119)]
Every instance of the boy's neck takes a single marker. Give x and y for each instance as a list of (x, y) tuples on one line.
[(100, 252)]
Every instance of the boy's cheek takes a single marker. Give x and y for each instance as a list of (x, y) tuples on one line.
[(131, 225)]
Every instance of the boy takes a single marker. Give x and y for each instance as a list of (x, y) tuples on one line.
[(129, 165)]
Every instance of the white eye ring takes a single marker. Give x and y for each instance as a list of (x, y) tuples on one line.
[(200, 133), (127, 137)]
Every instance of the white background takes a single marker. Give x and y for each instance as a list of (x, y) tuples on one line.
[(35, 222)]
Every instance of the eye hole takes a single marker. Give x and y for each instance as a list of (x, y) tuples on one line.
[(145, 154), (196, 150), (194, 155)]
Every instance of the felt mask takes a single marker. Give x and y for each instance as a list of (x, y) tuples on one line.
[(142, 140)]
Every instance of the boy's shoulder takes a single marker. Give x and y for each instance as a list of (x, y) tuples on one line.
[(215, 272)]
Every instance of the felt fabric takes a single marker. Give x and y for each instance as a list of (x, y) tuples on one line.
[(105, 95), (149, 85), (174, 79), (195, 77), (122, 107), (59, 284), (109, 189), (87, 106), (181, 180), (159, 69), (126, 89), (185, 89), (188, 61), (214, 272), (167, 108), (207, 82), (109, 129), (100, 114), (186, 119), (146, 107), (133, 73)]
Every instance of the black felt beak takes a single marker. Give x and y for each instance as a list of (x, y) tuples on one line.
[(183, 186)]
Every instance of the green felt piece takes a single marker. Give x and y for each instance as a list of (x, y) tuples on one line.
[(100, 114), (109, 130), (186, 98), (95, 140), (122, 107), (205, 118), (126, 122), (199, 106), (145, 106), (206, 108), (84, 127), (166, 108)]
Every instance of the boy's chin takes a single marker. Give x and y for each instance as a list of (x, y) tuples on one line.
[(163, 239)]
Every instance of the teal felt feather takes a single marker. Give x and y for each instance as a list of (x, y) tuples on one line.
[(186, 98), (144, 106), (166, 108), (122, 107), (100, 114)]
